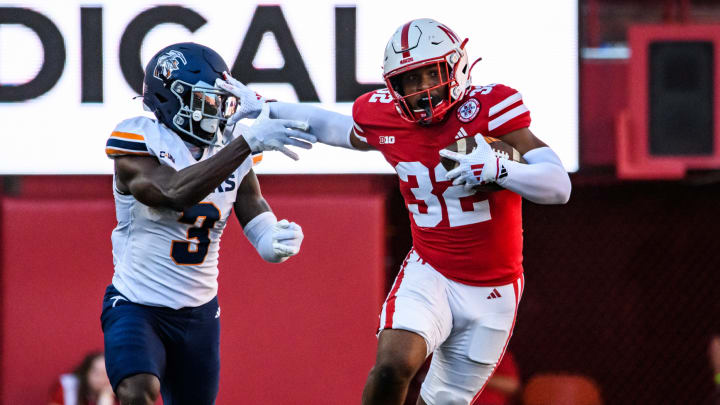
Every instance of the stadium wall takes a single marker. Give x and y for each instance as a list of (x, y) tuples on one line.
[(291, 333)]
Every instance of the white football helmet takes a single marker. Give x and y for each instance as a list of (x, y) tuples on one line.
[(420, 43)]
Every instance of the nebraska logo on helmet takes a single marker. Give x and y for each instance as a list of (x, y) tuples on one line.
[(469, 110), (168, 63)]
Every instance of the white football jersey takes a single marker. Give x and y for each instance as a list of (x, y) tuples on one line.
[(164, 257)]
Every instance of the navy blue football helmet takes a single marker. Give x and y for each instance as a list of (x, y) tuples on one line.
[(179, 87)]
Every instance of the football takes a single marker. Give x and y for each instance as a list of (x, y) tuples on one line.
[(468, 144)]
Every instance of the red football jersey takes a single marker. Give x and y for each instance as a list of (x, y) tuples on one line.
[(473, 238)]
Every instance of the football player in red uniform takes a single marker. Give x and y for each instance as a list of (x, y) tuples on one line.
[(457, 292)]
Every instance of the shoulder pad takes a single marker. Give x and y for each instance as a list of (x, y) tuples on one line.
[(130, 137)]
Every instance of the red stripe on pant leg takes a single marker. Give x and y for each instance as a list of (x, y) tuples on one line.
[(516, 288), (390, 303)]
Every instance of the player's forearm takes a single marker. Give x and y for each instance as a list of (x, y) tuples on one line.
[(329, 127), (190, 185), (543, 180)]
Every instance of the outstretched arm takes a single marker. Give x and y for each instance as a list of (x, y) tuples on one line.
[(329, 127), (156, 185), (275, 241)]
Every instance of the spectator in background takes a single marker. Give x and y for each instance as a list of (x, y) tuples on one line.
[(714, 355), (87, 385), (504, 385)]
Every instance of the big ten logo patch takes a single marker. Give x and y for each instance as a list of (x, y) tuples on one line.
[(387, 140)]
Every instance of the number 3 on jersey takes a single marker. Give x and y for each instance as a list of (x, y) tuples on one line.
[(428, 209), (203, 217)]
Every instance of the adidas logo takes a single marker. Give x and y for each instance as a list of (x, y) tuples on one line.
[(494, 294), (461, 133), (503, 172)]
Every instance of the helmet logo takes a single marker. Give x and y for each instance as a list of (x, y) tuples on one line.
[(469, 110), (168, 63)]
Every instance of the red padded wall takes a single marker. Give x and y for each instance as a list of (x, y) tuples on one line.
[(300, 332), (56, 260)]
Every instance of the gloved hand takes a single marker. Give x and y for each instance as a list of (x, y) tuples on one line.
[(249, 103), (286, 238), (273, 134), (481, 166)]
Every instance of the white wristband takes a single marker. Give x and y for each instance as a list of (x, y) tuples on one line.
[(259, 232), (543, 180)]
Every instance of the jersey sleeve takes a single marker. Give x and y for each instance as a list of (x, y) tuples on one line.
[(368, 112), (506, 111), (129, 138), (358, 118)]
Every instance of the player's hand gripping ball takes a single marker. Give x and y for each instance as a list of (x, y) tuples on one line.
[(463, 151)]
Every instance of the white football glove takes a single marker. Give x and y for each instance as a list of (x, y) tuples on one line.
[(273, 134), (249, 103), (286, 238), (481, 166)]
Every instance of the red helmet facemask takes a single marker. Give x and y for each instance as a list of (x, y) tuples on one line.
[(430, 104)]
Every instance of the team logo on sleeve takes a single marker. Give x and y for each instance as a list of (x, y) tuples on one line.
[(469, 110), (168, 63)]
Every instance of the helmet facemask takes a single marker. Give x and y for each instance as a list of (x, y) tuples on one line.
[(204, 110), (427, 105), (418, 44)]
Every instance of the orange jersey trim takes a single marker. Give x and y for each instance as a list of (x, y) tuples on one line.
[(127, 135), (117, 152)]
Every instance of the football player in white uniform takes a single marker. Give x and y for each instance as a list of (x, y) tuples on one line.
[(176, 181)]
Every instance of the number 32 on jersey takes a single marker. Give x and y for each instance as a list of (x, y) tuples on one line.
[(429, 207)]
